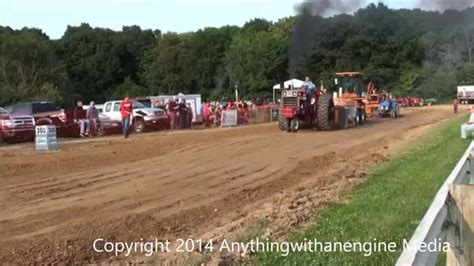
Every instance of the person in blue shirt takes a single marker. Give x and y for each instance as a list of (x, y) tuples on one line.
[(310, 87)]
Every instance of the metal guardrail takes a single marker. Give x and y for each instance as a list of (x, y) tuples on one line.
[(438, 223)]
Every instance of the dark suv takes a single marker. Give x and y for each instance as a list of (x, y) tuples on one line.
[(44, 112), (16, 128)]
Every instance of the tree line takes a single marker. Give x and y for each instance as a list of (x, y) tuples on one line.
[(407, 52)]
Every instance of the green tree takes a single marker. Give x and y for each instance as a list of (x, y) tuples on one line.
[(128, 88), (254, 61), (167, 72), (465, 75), (98, 60), (202, 58), (29, 68)]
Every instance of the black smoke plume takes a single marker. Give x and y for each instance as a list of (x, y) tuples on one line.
[(308, 25)]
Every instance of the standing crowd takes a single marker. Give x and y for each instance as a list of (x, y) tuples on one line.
[(212, 112), (180, 114)]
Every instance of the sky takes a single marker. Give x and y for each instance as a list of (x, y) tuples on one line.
[(53, 16)]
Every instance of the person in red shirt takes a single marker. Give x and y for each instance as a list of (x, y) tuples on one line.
[(455, 105), (126, 108), (207, 112)]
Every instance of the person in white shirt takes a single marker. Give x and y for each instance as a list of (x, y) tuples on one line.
[(469, 126), (309, 87)]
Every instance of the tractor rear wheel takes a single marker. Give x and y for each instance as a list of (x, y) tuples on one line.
[(325, 112), (294, 124)]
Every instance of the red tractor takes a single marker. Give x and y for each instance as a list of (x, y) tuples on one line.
[(348, 104), (296, 110)]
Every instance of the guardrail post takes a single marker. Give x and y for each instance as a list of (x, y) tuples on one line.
[(471, 168), (461, 236), (452, 233)]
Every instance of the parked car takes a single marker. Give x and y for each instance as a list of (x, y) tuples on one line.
[(47, 113), (144, 118), (15, 128), (430, 101), (44, 112), (415, 101), (146, 101), (403, 101)]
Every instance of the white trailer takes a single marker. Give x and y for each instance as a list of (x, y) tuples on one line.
[(466, 94)]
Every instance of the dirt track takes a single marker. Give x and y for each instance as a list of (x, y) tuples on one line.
[(179, 184)]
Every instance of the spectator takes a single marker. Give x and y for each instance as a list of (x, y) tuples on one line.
[(80, 118), (159, 104), (126, 109), (182, 114), (202, 112), (207, 112), (469, 126), (246, 114), (162, 105), (240, 115), (455, 105), (190, 116), (92, 115), (218, 115), (172, 107)]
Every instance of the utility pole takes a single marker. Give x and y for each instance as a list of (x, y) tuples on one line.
[(236, 92)]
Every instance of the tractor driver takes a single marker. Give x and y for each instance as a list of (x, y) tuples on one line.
[(309, 86)]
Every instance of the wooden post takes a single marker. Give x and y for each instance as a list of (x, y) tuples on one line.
[(461, 235)]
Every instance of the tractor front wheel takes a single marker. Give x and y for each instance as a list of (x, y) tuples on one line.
[(283, 123), (361, 114), (294, 124), (343, 122)]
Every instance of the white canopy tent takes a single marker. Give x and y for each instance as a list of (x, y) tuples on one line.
[(292, 83)]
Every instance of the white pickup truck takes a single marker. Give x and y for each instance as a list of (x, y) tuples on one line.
[(144, 118)]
